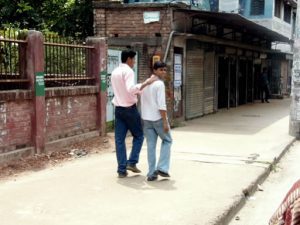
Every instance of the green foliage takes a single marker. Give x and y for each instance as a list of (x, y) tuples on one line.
[(59, 61), (66, 17)]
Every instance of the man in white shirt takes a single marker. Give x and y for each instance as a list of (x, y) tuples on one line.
[(154, 115), (127, 116)]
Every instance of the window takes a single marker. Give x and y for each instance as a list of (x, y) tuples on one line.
[(277, 11), (287, 13), (257, 7)]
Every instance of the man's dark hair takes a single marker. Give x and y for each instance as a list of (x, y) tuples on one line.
[(159, 64), (265, 69), (127, 54)]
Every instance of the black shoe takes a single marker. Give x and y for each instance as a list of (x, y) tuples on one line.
[(123, 175), (262, 101), (133, 168), (152, 178), (163, 174), (267, 101)]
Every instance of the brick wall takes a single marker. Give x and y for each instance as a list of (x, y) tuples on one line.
[(128, 22), (32, 120), (70, 111), (15, 124), (70, 115)]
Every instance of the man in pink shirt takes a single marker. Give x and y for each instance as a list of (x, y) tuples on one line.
[(127, 116)]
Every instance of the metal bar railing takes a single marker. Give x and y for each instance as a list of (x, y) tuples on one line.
[(12, 52), (66, 63)]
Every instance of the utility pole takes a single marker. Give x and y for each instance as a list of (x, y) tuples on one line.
[(294, 129)]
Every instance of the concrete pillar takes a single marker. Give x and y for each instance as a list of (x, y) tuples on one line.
[(294, 128), (97, 68), (35, 73)]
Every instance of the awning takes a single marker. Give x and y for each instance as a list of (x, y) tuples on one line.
[(237, 22)]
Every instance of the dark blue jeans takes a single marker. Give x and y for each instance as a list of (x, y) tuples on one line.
[(128, 118)]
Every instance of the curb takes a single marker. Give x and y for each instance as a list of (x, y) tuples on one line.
[(227, 216)]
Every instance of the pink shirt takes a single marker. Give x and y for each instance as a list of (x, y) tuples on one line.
[(124, 88)]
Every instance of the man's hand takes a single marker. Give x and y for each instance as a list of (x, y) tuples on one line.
[(151, 79), (166, 126)]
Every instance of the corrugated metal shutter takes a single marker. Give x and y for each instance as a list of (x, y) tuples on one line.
[(209, 82), (194, 81)]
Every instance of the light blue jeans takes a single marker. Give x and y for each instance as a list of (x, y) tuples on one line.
[(153, 129)]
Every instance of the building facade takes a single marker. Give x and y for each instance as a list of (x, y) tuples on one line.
[(278, 16), (214, 58)]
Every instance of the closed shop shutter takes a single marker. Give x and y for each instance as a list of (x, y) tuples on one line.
[(209, 82), (194, 81)]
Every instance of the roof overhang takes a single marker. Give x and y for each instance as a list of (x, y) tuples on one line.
[(237, 22), (229, 20)]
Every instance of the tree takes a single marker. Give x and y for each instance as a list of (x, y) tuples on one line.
[(66, 17)]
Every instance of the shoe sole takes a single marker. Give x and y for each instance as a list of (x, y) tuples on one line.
[(152, 179), (133, 170), (122, 175), (163, 174)]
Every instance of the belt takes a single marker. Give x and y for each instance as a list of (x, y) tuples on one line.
[(129, 107)]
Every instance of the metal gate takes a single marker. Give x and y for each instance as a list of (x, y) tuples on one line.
[(209, 82), (194, 81)]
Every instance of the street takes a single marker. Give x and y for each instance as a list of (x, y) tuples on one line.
[(214, 160), (260, 207), (77, 78)]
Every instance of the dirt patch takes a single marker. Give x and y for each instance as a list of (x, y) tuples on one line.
[(95, 145)]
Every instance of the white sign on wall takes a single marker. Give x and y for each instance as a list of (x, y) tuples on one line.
[(228, 5), (150, 17), (177, 81)]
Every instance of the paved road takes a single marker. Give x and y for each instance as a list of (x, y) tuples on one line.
[(261, 206), (214, 159)]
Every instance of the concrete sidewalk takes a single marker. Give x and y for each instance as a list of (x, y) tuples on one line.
[(215, 161)]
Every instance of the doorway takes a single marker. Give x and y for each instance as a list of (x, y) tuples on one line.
[(227, 82), (223, 81), (242, 81)]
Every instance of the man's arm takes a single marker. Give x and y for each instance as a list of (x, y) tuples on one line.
[(161, 100), (136, 88), (130, 84), (164, 116)]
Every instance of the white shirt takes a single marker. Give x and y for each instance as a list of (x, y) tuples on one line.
[(153, 99), (123, 85)]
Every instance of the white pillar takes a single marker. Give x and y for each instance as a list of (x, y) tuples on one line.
[(294, 129)]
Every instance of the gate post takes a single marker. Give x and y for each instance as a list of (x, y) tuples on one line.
[(35, 73), (97, 68)]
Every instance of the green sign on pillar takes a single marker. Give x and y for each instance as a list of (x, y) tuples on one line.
[(103, 76), (39, 84)]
